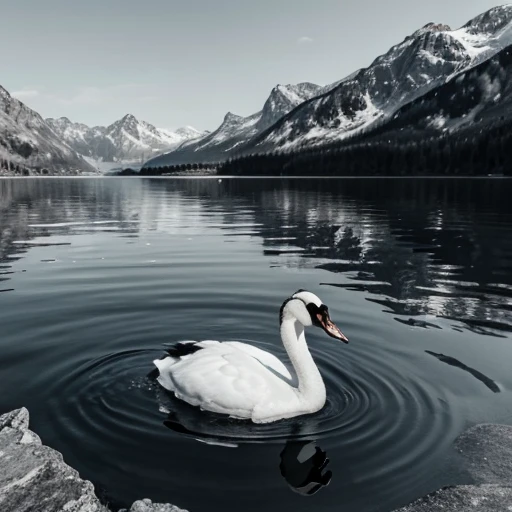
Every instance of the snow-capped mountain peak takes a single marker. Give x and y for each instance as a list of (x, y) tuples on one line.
[(283, 99), (305, 114), (232, 118), (128, 118), (188, 132), (237, 130), (125, 140), (431, 27)]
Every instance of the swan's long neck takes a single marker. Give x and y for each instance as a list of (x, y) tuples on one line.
[(311, 386)]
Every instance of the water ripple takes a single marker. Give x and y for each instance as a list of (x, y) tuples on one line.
[(114, 401)]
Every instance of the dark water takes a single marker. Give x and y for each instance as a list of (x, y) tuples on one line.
[(97, 274)]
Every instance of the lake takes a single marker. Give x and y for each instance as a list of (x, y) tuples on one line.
[(97, 274)]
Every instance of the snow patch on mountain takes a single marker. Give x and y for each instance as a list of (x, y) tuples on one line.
[(474, 44), (475, 99)]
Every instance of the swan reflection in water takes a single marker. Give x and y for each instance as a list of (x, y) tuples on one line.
[(302, 466), (302, 463)]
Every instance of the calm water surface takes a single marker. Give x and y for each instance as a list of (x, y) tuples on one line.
[(97, 274)]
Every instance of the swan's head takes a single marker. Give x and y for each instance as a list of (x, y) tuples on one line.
[(308, 309)]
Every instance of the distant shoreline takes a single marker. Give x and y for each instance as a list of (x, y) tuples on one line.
[(210, 177)]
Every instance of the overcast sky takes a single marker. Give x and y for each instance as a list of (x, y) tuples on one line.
[(188, 62)]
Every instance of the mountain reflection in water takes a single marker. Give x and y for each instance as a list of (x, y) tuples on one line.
[(420, 247)]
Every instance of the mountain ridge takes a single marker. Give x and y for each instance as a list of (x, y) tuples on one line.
[(28, 145), (419, 63), (127, 139), (484, 97), (422, 61), (461, 128), (236, 130)]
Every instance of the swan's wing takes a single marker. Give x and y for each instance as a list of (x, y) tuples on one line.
[(265, 358), (220, 378), (184, 349)]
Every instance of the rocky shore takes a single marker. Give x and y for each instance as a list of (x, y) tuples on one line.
[(35, 477), (487, 454)]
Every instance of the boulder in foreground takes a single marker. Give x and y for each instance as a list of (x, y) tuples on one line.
[(149, 506), (486, 451), (34, 477), (465, 498)]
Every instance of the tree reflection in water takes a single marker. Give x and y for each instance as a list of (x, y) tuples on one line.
[(437, 247)]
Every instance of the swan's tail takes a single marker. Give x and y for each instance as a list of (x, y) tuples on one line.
[(163, 365), (175, 353), (163, 371), (155, 372)]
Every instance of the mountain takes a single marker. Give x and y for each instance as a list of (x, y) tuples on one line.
[(237, 130), (28, 145), (123, 141), (474, 100), (463, 127), (423, 61)]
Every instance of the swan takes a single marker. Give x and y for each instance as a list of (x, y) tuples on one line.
[(245, 382)]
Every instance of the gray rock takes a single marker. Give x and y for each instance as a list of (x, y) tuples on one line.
[(465, 498), (149, 506), (34, 477), (487, 450), (15, 419)]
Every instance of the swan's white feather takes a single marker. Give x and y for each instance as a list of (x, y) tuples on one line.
[(228, 378), (265, 358)]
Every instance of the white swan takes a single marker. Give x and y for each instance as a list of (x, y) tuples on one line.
[(246, 382)]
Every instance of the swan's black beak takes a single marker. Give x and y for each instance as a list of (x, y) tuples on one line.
[(330, 327)]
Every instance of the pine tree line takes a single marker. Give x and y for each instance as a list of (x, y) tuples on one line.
[(13, 168), (476, 152), (177, 169)]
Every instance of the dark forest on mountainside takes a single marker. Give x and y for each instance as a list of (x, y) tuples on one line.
[(476, 153)]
